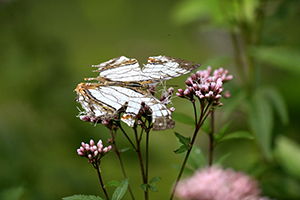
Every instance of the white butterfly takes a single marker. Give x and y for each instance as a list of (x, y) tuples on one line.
[(123, 85)]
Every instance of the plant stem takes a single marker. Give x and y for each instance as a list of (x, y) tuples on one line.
[(116, 150), (138, 151), (211, 139), (101, 182), (198, 126)]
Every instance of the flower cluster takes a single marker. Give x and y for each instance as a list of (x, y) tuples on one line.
[(94, 152), (206, 87), (215, 183)]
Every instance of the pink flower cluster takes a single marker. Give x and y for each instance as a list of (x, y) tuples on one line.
[(215, 183), (94, 152), (204, 86)]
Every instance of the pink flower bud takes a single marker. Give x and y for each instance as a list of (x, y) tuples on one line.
[(100, 145), (171, 91), (96, 153), (189, 81), (92, 143), (193, 77), (84, 118), (186, 92), (180, 90)]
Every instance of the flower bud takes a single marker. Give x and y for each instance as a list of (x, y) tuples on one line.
[(92, 143), (84, 118)]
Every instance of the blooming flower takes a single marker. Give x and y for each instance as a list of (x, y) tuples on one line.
[(215, 183), (94, 152), (204, 86)]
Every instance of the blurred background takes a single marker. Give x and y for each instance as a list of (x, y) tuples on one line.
[(47, 47)]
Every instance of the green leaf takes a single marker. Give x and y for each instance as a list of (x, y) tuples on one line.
[(144, 186), (121, 190), (183, 118), (183, 140), (152, 187), (82, 197), (261, 122), (222, 132), (155, 179), (281, 57), (113, 183), (238, 135), (288, 154), (278, 103), (182, 149)]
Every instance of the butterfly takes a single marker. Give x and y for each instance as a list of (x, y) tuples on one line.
[(123, 86)]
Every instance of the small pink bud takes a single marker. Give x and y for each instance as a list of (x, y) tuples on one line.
[(100, 144), (193, 77), (178, 94), (172, 109), (186, 92), (189, 81), (171, 91), (96, 153), (84, 118), (92, 143)]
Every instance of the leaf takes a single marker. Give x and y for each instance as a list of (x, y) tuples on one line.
[(152, 187), (278, 103), (261, 122), (288, 154), (113, 183), (144, 186), (238, 135), (281, 57), (182, 149), (183, 118), (82, 197), (183, 140), (155, 179), (121, 190), (222, 132)]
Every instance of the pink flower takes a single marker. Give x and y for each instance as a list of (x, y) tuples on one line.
[(215, 183)]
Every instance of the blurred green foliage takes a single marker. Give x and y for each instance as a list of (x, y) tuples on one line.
[(46, 48)]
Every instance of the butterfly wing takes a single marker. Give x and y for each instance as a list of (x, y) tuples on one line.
[(159, 68), (100, 101), (119, 69)]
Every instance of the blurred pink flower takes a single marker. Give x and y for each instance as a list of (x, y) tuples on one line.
[(215, 183)]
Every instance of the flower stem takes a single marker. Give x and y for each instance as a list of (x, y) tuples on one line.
[(138, 151), (211, 139), (116, 150), (198, 126), (101, 182)]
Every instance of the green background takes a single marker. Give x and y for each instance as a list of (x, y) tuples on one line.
[(46, 48)]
